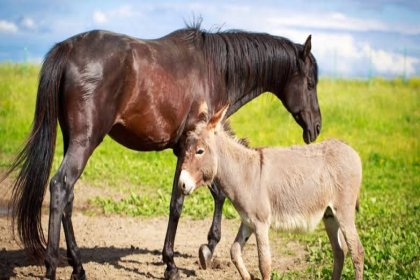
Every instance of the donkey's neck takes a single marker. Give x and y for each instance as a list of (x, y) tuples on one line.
[(238, 166)]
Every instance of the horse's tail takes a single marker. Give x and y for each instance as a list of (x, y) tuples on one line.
[(35, 159)]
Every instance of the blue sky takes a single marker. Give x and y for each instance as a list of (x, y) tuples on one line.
[(350, 38)]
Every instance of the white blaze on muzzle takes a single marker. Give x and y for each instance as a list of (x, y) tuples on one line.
[(186, 183)]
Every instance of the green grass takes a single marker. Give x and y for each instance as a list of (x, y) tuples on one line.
[(379, 118)]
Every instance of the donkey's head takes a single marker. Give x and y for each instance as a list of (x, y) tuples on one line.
[(198, 154), (299, 94)]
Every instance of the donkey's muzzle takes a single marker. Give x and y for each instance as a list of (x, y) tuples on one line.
[(186, 183)]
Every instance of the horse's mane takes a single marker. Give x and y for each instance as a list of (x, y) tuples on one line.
[(249, 62)]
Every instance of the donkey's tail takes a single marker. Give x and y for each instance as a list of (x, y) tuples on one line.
[(35, 160)]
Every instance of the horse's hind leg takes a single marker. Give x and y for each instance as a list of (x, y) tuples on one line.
[(206, 251), (337, 241), (73, 253), (61, 189)]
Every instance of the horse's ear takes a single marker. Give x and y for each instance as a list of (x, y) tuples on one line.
[(216, 121), (307, 47)]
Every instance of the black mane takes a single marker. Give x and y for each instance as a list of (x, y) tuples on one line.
[(249, 62)]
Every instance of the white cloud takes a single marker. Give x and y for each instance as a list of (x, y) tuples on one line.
[(329, 21), (342, 55), (392, 63), (8, 27), (28, 23), (124, 11), (255, 17), (338, 52), (99, 17)]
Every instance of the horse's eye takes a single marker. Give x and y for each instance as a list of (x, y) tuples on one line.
[(311, 84), (199, 151)]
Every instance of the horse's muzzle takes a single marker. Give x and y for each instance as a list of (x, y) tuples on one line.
[(310, 135)]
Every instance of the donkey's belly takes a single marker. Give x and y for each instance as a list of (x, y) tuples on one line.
[(297, 222)]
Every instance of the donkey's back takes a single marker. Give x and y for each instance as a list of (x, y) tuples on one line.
[(302, 182)]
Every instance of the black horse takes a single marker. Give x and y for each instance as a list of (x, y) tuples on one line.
[(145, 94)]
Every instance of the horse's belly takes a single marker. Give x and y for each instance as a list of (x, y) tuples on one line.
[(142, 139)]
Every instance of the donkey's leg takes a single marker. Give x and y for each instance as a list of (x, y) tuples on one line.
[(264, 254), (175, 209), (61, 189), (206, 251), (236, 250), (338, 244), (348, 227)]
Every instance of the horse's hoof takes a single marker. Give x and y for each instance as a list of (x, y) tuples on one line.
[(50, 274), (205, 255), (78, 276), (172, 274)]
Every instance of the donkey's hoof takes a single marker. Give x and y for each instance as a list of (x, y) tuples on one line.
[(205, 255), (172, 274)]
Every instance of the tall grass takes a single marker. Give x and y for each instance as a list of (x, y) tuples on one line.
[(379, 118)]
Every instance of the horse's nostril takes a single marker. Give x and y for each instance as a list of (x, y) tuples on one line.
[(183, 186), (318, 128)]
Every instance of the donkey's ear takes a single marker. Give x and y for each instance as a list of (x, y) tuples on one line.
[(216, 121), (307, 47), (202, 113)]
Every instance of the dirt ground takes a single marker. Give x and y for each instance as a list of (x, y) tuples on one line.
[(116, 247)]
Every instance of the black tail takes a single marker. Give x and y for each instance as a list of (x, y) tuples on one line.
[(35, 159)]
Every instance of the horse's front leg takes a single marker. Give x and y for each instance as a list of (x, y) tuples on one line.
[(206, 251), (177, 201)]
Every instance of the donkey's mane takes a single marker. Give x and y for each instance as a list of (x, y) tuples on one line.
[(249, 62), (227, 128)]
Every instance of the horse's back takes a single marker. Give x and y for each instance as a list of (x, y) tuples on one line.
[(140, 92)]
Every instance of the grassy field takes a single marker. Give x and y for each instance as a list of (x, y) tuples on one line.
[(379, 118)]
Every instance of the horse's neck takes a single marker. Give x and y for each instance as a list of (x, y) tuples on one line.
[(241, 99), (238, 166)]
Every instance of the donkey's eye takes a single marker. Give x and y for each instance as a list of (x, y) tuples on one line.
[(199, 151)]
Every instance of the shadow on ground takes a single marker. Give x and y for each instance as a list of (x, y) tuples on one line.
[(9, 260)]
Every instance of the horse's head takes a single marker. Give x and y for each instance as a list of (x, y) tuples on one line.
[(299, 94)]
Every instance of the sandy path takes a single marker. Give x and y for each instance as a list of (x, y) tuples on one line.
[(115, 247)]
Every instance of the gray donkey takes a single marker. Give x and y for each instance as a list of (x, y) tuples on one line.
[(291, 188)]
